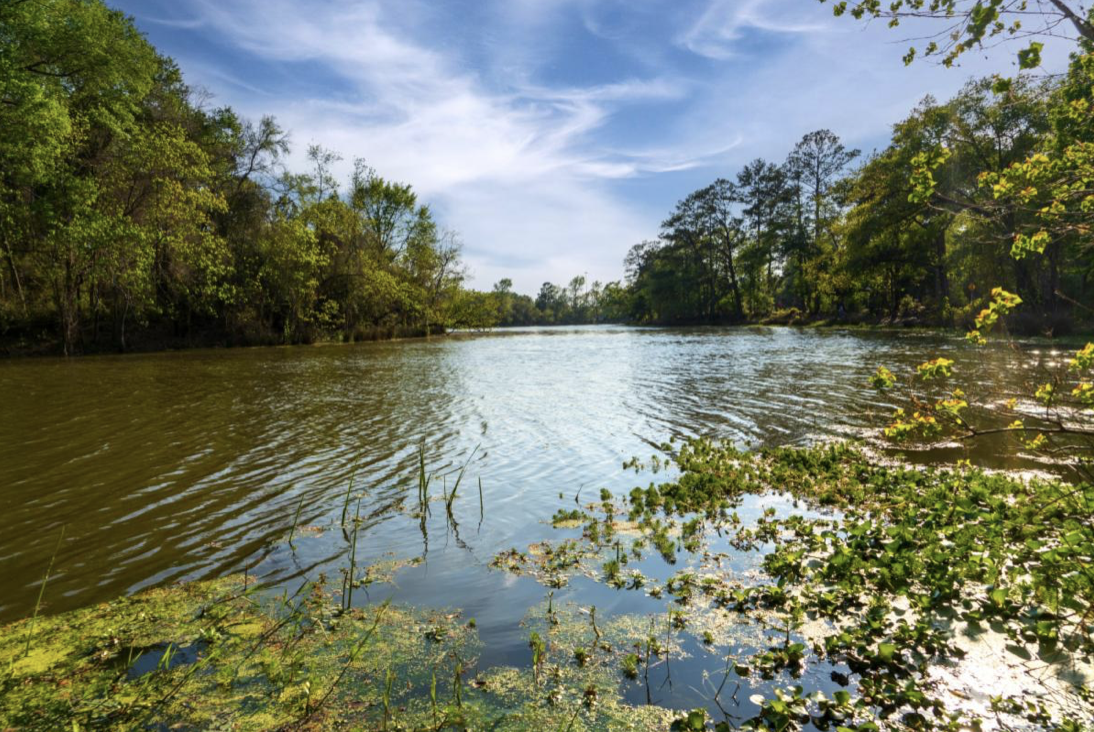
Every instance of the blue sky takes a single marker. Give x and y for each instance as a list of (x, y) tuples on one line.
[(550, 134)]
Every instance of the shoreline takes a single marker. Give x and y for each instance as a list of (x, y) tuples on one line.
[(51, 350)]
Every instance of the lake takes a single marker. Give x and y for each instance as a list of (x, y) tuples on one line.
[(190, 465)]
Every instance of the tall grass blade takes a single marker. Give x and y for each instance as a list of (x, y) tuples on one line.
[(348, 594), (42, 589), (295, 519), (349, 490)]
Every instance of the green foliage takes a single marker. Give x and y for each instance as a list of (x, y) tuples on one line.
[(578, 303), (935, 369), (128, 210), (968, 24), (902, 565), (745, 248), (883, 378), (914, 234)]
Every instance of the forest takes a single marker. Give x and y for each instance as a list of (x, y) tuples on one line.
[(918, 232), (132, 211), (135, 214)]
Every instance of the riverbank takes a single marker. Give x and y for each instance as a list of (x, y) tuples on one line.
[(863, 596), (45, 347), (51, 347)]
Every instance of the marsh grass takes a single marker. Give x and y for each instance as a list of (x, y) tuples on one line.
[(295, 521), (423, 483), (349, 491), (350, 576), (42, 590)]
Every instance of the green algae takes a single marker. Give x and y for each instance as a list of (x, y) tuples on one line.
[(268, 663)]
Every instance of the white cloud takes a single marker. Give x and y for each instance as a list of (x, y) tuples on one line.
[(724, 23), (507, 168)]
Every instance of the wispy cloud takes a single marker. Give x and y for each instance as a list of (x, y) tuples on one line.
[(508, 167), (725, 22)]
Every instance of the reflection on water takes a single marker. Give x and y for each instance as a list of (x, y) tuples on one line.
[(191, 465)]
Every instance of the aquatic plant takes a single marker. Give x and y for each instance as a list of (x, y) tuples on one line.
[(42, 590)]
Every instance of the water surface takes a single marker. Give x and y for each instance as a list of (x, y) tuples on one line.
[(190, 465)]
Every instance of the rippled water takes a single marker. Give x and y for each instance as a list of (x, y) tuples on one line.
[(190, 465)]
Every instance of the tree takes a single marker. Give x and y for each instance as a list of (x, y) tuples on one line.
[(718, 204), (814, 165), (127, 206), (971, 24)]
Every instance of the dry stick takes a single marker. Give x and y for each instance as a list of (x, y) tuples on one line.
[(718, 691), (42, 589), (668, 655)]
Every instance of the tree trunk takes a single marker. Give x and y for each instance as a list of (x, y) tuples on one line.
[(941, 279)]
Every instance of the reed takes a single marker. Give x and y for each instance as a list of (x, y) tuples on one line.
[(42, 589), (433, 694), (387, 696), (459, 477), (349, 490), (295, 519), (423, 481), (347, 588)]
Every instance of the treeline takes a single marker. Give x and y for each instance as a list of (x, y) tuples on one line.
[(132, 212), (578, 303), (917, 232)]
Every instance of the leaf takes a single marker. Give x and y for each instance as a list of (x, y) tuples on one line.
[(1030, 58), (1019, 651)]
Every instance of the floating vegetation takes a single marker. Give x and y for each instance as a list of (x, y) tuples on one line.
[(909, 591)]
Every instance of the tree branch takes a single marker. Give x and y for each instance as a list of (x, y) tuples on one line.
[(1086, 30)]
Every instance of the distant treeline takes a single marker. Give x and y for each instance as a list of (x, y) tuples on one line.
[(131, 213), (579, 302)]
